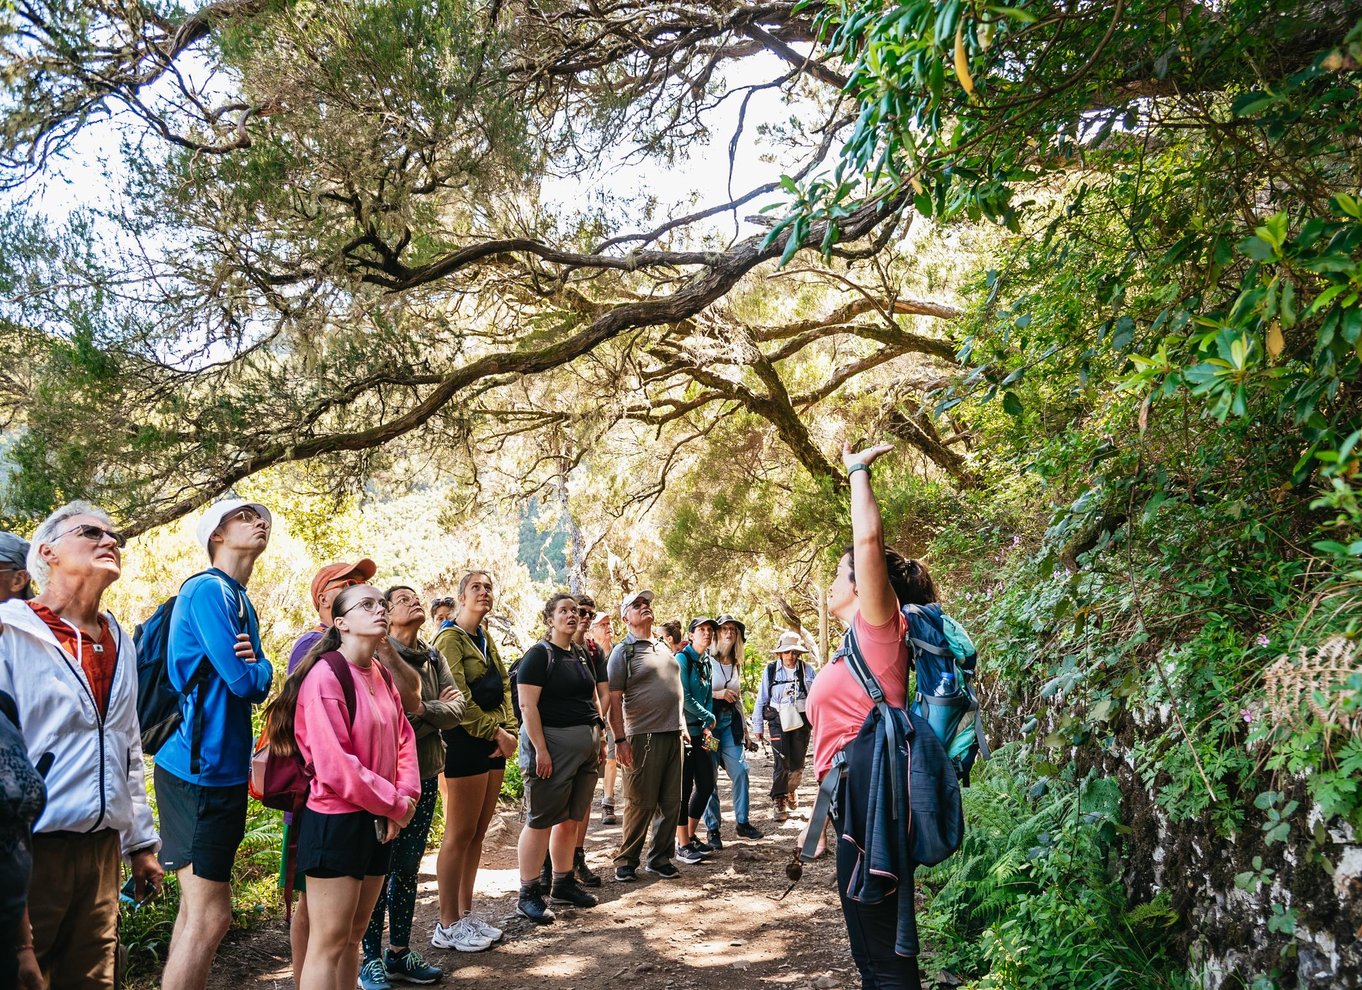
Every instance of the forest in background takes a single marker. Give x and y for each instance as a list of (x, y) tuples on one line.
[(1095, 269)]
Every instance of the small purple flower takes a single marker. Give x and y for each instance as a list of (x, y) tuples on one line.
[(1246, 714), (1262, 639)]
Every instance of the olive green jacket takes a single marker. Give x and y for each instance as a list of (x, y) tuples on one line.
[(435, 677), (466, 663)]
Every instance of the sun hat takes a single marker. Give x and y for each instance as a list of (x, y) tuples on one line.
[(790, 642), (703, 620), (645, 596), (727, 620), (600, 617), (362, 569), (218, 511)]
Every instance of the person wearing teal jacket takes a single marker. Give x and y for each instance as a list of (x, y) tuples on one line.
[(697, 771)]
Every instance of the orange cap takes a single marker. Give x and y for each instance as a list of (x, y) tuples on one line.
[(331, 573)]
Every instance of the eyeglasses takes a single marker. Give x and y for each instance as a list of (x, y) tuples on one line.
[(583, 610), (370, 605), (246, 515), (400, 600), (96, 534)]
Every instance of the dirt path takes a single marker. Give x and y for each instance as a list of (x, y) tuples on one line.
[(715, 927)]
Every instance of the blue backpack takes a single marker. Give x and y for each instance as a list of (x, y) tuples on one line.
[(158, 703), (944, 666)]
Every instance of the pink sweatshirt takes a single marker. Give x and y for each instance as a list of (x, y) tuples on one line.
[(370, 766)]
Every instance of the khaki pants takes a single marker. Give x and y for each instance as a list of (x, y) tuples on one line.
[(73, 905), (653, 786)]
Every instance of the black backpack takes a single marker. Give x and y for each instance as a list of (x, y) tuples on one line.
[(158, 703)]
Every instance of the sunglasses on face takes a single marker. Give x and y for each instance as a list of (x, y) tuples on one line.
[(246, 516), (370, 605), (96, 534), (441, 602)]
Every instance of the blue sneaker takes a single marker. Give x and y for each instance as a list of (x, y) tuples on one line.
[(373, 976), (411, 968)]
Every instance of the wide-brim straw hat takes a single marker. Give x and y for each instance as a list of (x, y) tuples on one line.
[(790, 642)]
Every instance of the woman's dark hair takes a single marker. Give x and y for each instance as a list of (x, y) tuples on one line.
[(278, 721), (910, 579), (672, 630), (552, 604)]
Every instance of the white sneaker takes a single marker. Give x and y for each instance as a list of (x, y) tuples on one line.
[(480, 925), (460, 937)]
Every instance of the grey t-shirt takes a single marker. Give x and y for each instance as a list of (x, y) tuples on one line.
[(651, 685)]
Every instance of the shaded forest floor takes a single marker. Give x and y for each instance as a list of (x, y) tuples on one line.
[(715, 927)]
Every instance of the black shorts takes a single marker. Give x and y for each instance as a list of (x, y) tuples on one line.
[(201, 826), (469, 756), (344, 845)]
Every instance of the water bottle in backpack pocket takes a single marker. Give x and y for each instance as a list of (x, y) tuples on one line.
[(944, 664)]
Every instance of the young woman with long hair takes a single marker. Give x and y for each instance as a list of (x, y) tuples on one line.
[(475, 762), (560, 738), (365, 784), (726, 685), (872, 582), (697, 767)]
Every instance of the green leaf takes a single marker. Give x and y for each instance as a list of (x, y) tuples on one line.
[(1011, 404), (1252, 102)]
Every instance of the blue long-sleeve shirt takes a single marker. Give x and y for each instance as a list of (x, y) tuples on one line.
[(698, 700), (210, 610)]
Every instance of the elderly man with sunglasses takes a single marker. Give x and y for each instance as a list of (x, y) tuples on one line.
[(216, 662), (73, 674)]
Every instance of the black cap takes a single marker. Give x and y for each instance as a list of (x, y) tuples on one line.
[(703, 620), (727, 619)]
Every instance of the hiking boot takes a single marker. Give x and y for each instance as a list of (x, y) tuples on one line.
[(703, 848), (716, 841), (687, 855), (410, 967), (583, 872), (625, 874), (664, 870), (373, 976), (749, 831), (782, 814), (608, 813), (546, 874), (460, 937), (568, 891), (531, 904)]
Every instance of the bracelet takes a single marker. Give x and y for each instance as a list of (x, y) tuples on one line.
[(858, 467)]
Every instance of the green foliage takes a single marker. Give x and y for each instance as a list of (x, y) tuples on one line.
[(1032, 900)]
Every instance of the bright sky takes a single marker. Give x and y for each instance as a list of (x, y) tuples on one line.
[(92, 173)]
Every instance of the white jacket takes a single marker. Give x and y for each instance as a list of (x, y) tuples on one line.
[(93, 767)]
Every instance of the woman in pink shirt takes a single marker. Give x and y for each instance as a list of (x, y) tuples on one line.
[(872, 580), (365, 782)]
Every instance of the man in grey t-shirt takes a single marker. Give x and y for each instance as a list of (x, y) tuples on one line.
[(647, 718)]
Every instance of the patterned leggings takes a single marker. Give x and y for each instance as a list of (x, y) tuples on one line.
[(399, 889)]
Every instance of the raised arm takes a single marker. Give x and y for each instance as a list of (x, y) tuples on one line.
[(876, 598)]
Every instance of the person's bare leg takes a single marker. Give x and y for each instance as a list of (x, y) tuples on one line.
[(347, 973), (530, 850), (297, 937), (562, 846), (463, 809), (333, 902), (492, 785), (611, 769), (203, 919)]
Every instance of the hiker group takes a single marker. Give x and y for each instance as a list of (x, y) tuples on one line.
[(374, 722)]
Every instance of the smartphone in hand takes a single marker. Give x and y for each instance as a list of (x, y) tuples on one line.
[(381, 829)]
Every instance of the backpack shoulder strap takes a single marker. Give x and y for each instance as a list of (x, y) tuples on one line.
[(860, 669), (341, 668), (770, 677)]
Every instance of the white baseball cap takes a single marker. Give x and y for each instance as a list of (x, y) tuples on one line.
[(645, 596), (218, 511)]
